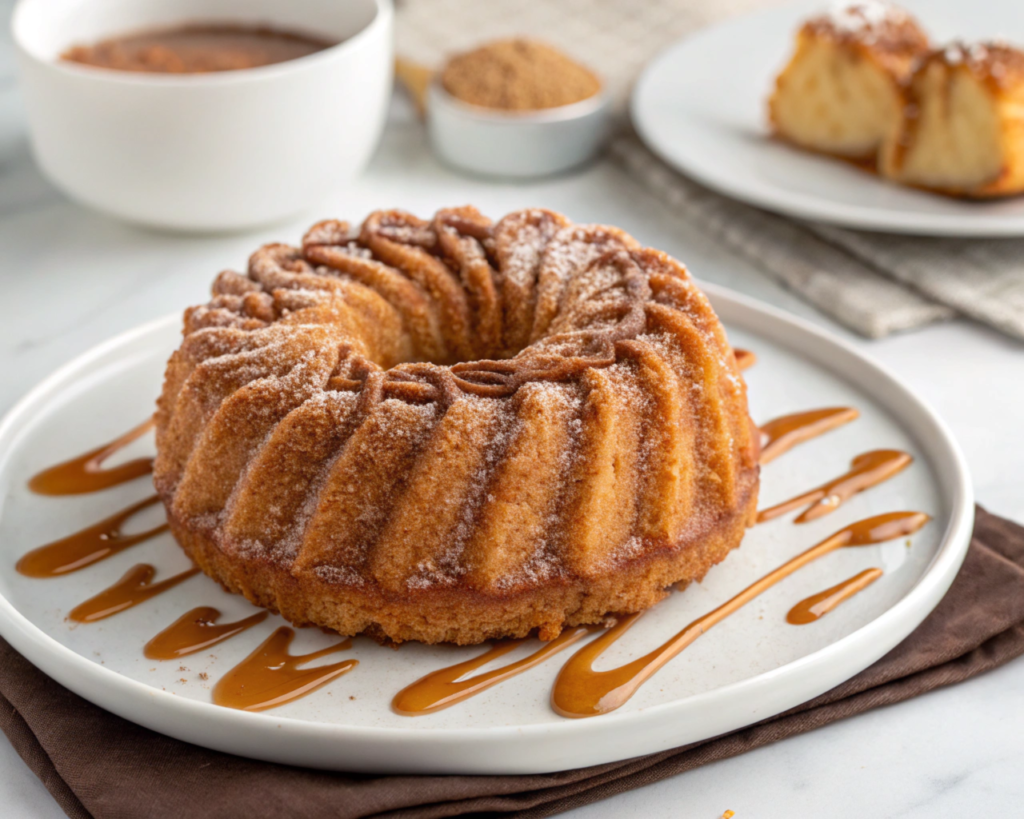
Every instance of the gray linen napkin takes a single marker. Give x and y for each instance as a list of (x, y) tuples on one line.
[(873, 283), (981, 278), (828, 276)]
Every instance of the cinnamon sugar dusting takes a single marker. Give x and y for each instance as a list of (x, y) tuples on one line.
[(996, 61), (880, 26), (518, 75)]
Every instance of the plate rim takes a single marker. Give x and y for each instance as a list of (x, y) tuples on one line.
[(232, 731), (795, 204)]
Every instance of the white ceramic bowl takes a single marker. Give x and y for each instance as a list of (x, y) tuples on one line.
[(217, 151), (513, 143)]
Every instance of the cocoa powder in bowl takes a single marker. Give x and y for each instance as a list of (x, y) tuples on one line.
[(518, 75)]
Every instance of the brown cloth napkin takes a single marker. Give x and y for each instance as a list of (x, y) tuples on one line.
[(98, 765)]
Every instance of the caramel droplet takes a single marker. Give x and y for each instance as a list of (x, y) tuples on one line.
[(782, 434), (90, 545), (134, 587), (580, 691), (86, 474), (867, 470), (443, 688), (818, 605), (270, 676), (744, 358), (196, 630)]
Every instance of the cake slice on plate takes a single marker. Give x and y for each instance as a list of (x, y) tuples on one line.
[(840, 92), (962, 129)]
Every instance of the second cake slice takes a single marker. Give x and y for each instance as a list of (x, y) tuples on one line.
[(962, 131)]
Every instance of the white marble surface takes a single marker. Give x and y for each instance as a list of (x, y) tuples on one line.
[(72, 278)]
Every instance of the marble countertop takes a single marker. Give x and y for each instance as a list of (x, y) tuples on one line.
[(73, 278)]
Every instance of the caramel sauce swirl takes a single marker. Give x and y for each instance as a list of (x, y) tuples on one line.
[(88, 546), (134, 587), (744, 358), (866, 470), (86, 473), (580, 691), (270, 676), (782, 434), (196, 630), (818, 605), (444, 688)]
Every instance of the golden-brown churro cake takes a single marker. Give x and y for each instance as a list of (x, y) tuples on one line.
[(452, 430), (840, 92), (962, 131)]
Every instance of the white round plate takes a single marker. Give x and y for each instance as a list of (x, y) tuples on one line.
[(750, 667), (700, 105)]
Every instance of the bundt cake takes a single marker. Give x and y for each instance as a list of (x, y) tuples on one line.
[(840, 92), (962, 131), (453, 430)]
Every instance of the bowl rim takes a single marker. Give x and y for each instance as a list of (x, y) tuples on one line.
[(383, 14), (588, 106)]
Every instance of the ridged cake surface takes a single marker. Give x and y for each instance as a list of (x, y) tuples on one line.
[(454, 430)]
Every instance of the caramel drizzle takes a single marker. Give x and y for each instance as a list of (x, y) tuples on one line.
[(196, 630), (270, 676), (133, 588), (818, 605), (867, 470), (86, 473), (90, 545), (443, 688), (580, 691), (744, 358), (782, 434)]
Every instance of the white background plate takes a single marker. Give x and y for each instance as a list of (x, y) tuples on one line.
[(700, 105), (750, 667)]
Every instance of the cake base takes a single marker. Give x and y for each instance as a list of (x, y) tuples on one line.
[(466, 616)]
